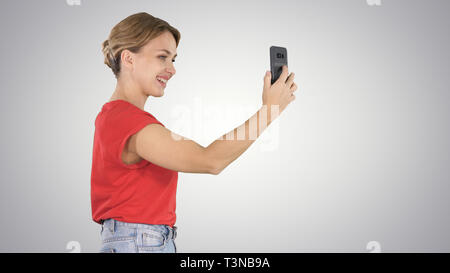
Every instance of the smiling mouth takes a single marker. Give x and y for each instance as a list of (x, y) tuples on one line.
[(161, 83)]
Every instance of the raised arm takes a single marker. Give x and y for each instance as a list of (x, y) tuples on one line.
[(159, 145), (230, 146)]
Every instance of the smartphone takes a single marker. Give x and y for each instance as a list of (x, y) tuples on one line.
[(278, 58)]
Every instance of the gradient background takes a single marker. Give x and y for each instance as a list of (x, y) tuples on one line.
[(361, 155)]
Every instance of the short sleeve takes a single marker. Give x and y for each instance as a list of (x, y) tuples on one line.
[(120, 126)]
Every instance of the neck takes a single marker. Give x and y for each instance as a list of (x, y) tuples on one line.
[(127, 92)]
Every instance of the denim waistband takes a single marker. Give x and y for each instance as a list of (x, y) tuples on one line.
[(165, 229)]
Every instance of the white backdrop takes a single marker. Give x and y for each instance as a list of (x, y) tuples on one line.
[(361, 155)]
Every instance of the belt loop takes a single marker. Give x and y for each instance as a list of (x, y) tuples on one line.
[(174, 231), (113, 225), (169, 232)]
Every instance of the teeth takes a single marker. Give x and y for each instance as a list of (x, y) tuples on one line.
[(162, 80)]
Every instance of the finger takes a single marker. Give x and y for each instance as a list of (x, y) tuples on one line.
[(293, 87), (267, 79), (284, 74), (290, 79)]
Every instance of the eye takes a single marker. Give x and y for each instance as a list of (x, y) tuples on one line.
[(166, 57)]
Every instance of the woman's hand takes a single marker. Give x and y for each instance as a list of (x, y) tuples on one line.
[(280, 92)]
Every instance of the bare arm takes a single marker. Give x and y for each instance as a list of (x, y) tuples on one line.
[(167, 149), (230, 146), (159, 145)]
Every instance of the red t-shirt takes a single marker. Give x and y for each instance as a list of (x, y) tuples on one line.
[(139, 193)]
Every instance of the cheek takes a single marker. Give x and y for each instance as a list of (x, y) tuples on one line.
[(145, 74)]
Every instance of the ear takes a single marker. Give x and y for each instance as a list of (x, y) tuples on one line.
[(127, 59)]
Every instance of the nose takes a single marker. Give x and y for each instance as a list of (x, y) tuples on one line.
[(172, 69)]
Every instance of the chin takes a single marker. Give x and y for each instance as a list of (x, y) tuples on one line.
[(158, 92)]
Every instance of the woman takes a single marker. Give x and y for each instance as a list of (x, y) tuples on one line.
[(136, 159)]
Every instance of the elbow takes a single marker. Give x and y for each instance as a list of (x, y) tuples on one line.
[(214, 165), (215, 171), (215, 168)]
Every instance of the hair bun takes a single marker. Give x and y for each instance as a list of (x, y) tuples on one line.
[(109, 55)]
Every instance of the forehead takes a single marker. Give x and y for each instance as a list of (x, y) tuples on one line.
[(163, 41)]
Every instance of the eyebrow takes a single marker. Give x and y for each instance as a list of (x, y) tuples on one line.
[(167, 51)]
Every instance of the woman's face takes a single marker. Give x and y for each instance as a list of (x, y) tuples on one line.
[(153, 62)]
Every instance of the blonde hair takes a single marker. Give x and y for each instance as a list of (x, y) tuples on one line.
[(132, 33)]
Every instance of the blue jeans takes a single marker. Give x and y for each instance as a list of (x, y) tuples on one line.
[(121, 237)]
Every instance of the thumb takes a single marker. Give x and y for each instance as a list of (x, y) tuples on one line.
[(267, 79)]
